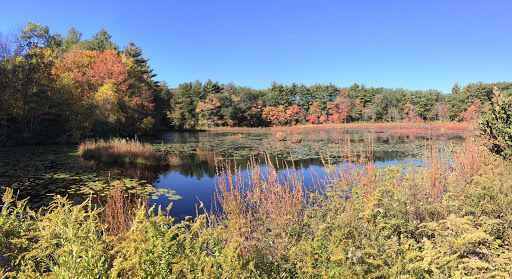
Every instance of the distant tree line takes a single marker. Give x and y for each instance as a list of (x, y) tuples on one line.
[(64, 89)]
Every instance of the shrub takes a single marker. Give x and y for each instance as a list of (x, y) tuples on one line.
[(296, 138), (496, 124), (281, 136)]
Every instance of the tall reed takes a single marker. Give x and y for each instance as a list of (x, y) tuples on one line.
[(125, 152), (121, 208), (263, 209)]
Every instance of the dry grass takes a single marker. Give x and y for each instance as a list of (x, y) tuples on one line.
[(121, 209), (124, 152), (434, 128), (469, 158), (264, 206)]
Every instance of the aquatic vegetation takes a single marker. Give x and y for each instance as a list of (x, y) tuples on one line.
[(125, 152), (40, 172), (121, 208), (435, 220)]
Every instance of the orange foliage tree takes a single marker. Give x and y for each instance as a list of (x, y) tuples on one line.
[(410, 113), (473, 112), (339, 109), (96, 89), (314, 114), (254, 115), (275, 116)]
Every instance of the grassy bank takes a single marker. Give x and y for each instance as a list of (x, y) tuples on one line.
[(124, 152), (444, 219), (422, 128)]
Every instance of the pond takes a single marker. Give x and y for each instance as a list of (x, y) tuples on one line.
[(39, 172)]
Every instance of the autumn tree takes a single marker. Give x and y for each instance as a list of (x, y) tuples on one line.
[(99, 93), (473, 112), (275, 116), (208, 111), (339, 109), (294, 115), (33, 80), (496, 122), (255, 115), (410, 113), (314, 114)]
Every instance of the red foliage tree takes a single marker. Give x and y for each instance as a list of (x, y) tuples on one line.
[(275, 116), (410, 113), (473, 112), (294, 114), (314, 113), (98, 89), (339, 109)]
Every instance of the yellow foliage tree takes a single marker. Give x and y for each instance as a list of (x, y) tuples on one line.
[(208, 111)]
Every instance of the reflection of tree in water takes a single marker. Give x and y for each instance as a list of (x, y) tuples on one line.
[(189, 136), (147, 173), (193, 166), (204, 163), (179, 137)]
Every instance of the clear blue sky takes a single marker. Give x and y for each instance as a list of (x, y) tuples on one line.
[(408, 44)]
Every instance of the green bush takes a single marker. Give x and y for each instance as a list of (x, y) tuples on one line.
[(496, 124)]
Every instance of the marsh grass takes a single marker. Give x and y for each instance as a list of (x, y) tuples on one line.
[(124, 152), (447, 218), (120, 209), (263, 209)]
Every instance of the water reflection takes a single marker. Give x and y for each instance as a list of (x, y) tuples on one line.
[(195, 179), (39, 172)]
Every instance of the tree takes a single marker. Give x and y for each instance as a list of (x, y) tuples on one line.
[(139, 68), (99, 94), (425, 102), (33, 73), (314, 114), (275, 116), (255, 115), (142, 85), (393, 114), (441, 111), (339, 109), (294, 115), (208, 111), (100, 42), (182, 115), (71, 40), (410, 113), (473, 112), (276, 96)]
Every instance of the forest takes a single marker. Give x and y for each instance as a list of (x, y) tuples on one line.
[(63, 89)]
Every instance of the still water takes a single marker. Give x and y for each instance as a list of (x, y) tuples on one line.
[(39, 172)]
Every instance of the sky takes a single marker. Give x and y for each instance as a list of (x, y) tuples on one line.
[(393, 44)]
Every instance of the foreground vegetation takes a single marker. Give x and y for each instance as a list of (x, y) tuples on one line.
[(443, 219)]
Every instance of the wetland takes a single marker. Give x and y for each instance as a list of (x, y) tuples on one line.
[(40, 172)]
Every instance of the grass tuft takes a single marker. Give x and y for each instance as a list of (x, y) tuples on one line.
[(124, 152)]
